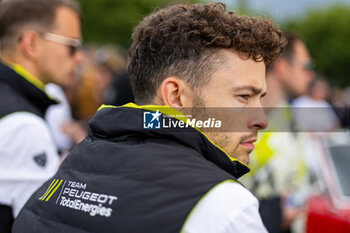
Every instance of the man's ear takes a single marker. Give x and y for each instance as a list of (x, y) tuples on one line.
[(28, 44), (174, 92)]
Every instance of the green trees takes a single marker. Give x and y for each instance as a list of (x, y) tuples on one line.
[(327, 35), (112, 21), (326, 32)]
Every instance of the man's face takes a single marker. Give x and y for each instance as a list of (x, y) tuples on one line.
[(240, 84), (56, 63), (320, 90), (298, 73)]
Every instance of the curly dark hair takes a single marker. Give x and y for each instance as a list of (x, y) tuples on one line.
[(183, 40)]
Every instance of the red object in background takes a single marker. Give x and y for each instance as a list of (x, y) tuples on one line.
[(324, 217), (330, 212)]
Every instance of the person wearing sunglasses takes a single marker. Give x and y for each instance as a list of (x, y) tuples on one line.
[(40, 43), (279, 154)]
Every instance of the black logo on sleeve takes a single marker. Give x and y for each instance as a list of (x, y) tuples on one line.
[(40, 159)]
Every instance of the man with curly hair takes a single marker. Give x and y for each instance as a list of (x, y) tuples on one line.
[(134, 173)]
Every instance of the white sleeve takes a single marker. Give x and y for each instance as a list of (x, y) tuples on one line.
[(57, 115), (28, 157), (227, 208)]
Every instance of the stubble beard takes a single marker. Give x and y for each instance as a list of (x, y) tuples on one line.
[(199, 111)]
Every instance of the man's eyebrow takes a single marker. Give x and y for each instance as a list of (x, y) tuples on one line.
[(251, 88)]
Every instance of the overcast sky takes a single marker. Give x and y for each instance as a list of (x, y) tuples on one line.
[(284, 9)]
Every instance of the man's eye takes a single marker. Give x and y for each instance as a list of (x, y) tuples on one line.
[(244, 97)]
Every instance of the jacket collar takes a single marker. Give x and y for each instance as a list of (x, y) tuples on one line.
[(119, 122), (27, 85)]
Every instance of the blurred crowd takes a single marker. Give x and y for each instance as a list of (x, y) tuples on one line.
[(101, 79), (304, 110)]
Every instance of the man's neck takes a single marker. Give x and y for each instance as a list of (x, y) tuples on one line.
[(11, 60)]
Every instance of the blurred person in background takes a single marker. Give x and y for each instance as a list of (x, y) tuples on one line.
[(99, 81), (113, 60), (120, 92), (314, 118), (312, 112), (40, 42), (125, 177), (337, 101), (290, 76), (278, 167), (83, 94), (342, 106), (66, 130), (57, 115)]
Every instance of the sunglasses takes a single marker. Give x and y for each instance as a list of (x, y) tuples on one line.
[(73, 44), (309, 65)]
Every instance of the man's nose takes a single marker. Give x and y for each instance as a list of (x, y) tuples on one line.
[(310, 75), (79, 56), (258, 120)]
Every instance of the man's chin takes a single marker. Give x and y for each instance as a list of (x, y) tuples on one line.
[(243, 155), (244, 158)]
